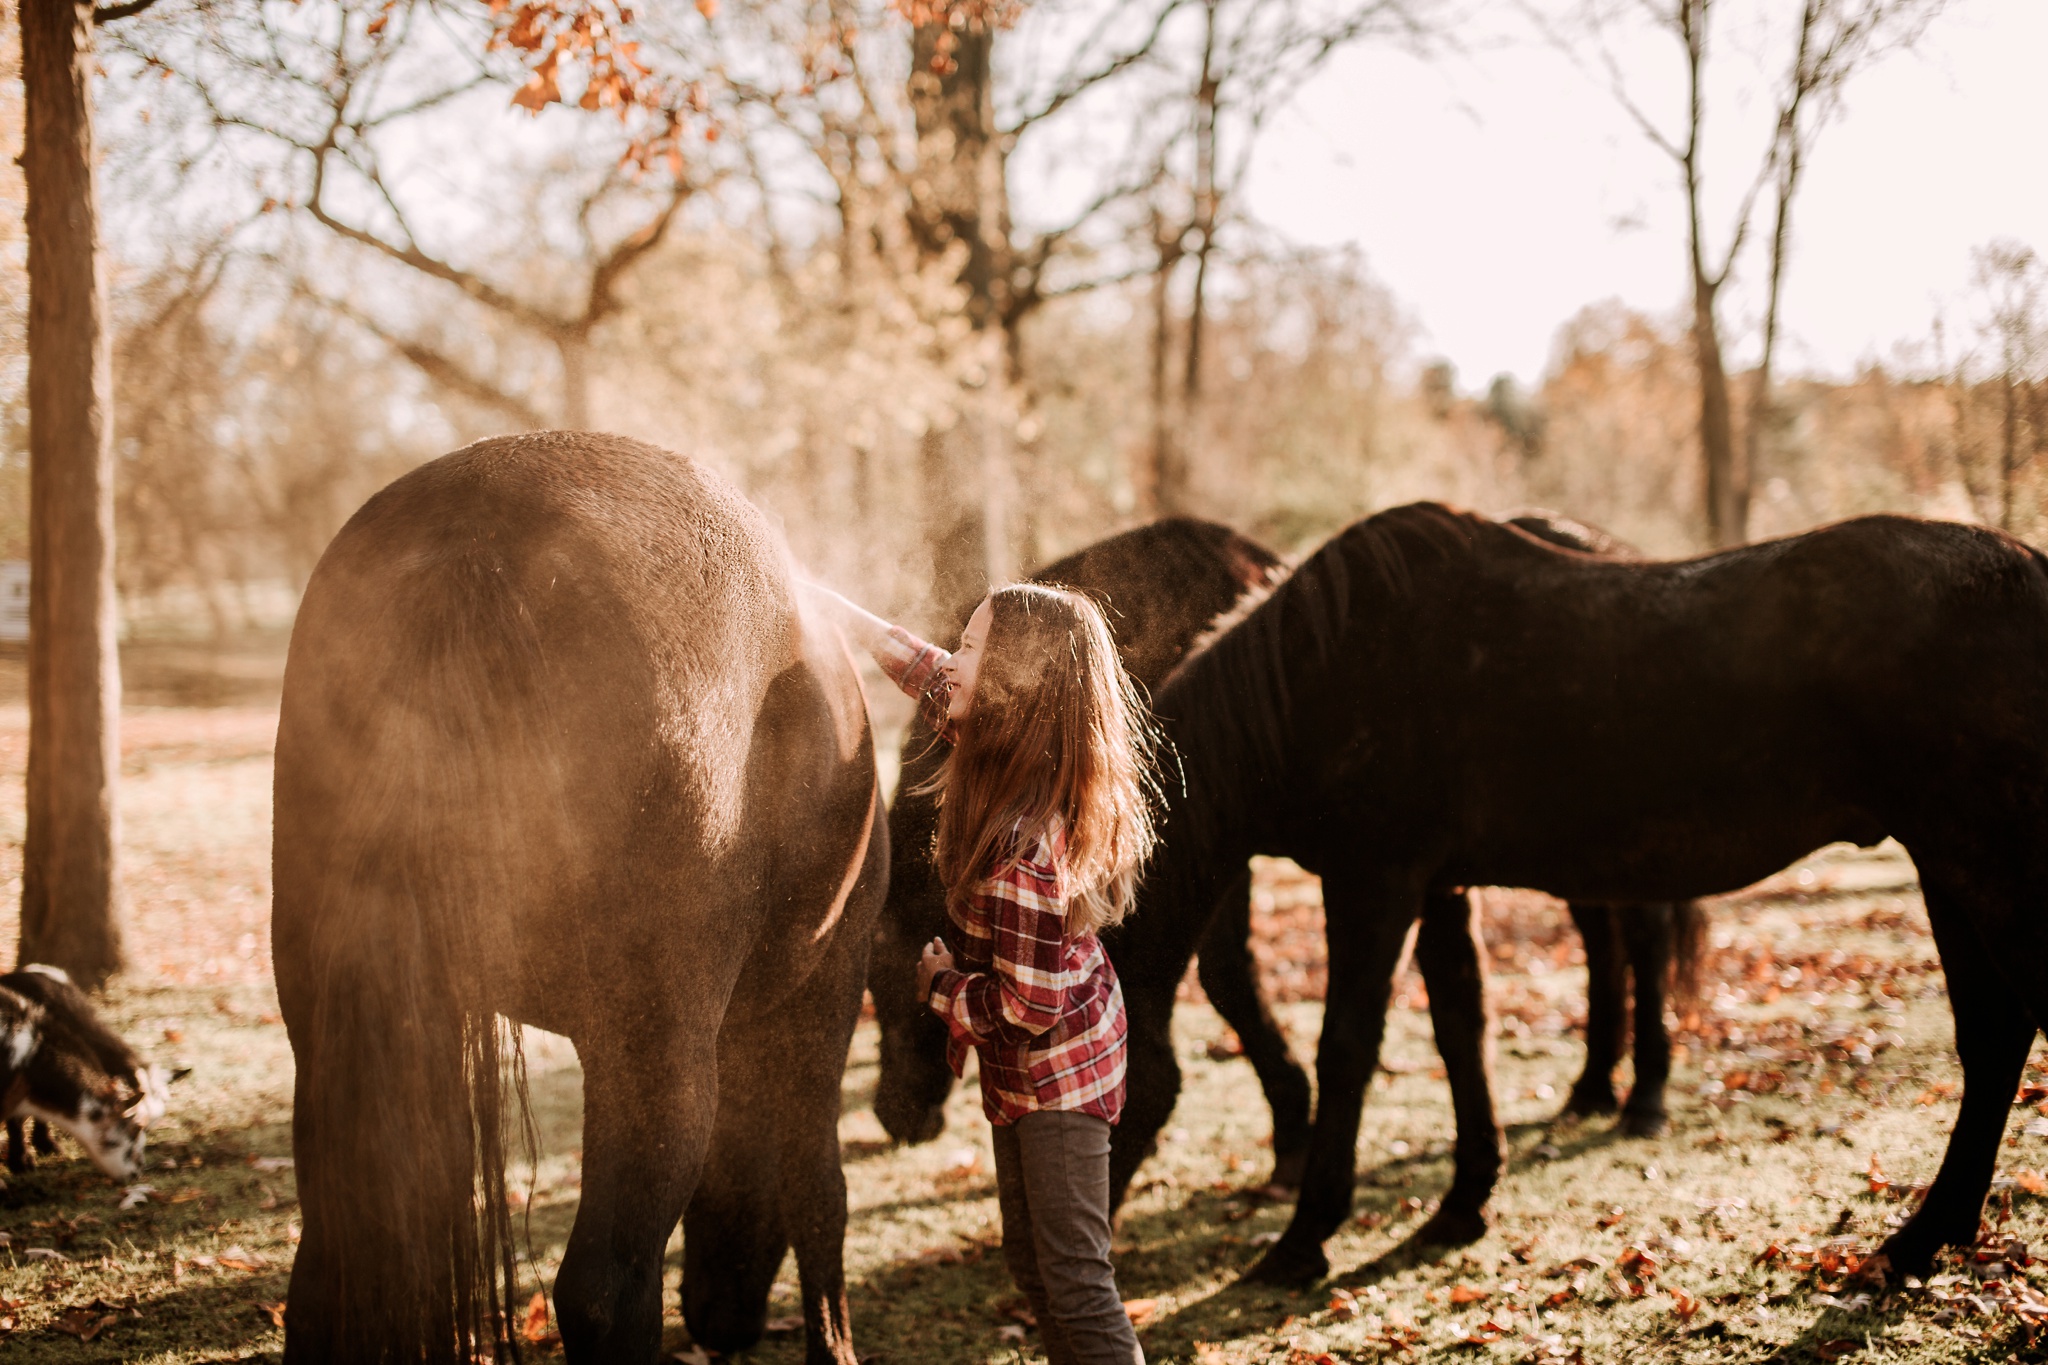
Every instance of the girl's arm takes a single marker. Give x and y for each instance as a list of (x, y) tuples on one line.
[(912, 664), (1026, 993)]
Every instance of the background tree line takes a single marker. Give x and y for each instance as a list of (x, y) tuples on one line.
[(951, 289)]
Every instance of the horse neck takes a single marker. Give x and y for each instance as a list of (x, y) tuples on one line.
[(1208, 835)]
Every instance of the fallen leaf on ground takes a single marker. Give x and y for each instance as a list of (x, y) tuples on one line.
[(1684, 1304), (272, 1311), (234, 1258), (135, 1196), (84, 1323), (1836, 1349), (1141, 1311), (533, 1325), (1465, 1293), (1879, 1181), (788, 1322)]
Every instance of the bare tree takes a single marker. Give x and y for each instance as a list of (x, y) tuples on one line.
[(331, 95), (2010, 278), (1831, 41), (1246, 59), (70, 887)]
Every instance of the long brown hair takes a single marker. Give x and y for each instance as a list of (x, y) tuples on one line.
[(1058, 741)]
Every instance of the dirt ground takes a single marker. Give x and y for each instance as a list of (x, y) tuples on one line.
[(1813, 1094)]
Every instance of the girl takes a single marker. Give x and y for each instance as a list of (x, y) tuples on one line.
[(1043, 827)]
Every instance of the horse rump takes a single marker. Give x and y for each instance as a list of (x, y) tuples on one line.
[(387, 857)]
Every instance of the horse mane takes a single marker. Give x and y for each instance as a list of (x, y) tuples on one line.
[(1232, 698)]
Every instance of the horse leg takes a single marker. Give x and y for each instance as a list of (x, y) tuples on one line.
[(1994, 1034), (1152, 1086), (733, 1238), (1606, 1020), (1230, 978), (1649, 932), (19, 1158), (1448, 952), (1367, 923), (650, 1097), (817, 1031)]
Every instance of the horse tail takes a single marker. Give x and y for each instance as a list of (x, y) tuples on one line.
[(1689, 944), (395, 808)]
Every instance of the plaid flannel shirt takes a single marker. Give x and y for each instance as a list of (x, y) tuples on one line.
[(1041, 1006)]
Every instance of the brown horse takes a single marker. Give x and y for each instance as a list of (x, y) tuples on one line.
[(1434, 700), (557, 746)]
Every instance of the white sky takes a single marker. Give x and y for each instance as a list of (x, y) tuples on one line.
[(1499, 192)]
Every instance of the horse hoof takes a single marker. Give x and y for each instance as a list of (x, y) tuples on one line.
[(1288, 1169), (1640, 1125), (1290, 1265), (1452, 1228), (1898, 1258)]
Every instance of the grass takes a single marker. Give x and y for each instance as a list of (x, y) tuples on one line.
[(1824, 1056)]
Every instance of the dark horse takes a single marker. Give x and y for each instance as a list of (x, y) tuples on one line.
[(557, 746), (1164, 584), (1640, 949), (1435, 700), (1160, 586)]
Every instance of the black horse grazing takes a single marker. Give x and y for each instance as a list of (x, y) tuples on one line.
[(1435, 700), (1160, 586), (1651, 946), (557, 746)]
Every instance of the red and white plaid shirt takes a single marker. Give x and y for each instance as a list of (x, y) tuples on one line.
[(1040, 1005)]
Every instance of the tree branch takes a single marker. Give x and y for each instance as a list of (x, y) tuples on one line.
[(601, 302), (107, 14), (1077, 85), (439, 367)]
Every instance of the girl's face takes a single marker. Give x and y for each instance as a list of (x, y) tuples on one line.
[(965, 665)]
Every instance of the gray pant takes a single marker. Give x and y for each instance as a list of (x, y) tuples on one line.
[(1052, 1181)]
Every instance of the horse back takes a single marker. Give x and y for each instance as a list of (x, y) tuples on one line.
[(1520, 701), (529, 702)]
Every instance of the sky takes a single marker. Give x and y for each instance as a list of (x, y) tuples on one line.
[(1500, 190)]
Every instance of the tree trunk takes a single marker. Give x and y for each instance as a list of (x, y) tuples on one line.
[(1206, 93), (960, 203), (2009, 448), (1727, 482), (1762, 411), (1161, 487), (575, 353), (69, 903)]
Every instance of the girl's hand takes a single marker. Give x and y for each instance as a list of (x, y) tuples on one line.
[(936, 959)]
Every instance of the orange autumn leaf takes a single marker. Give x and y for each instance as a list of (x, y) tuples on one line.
[(533, 1325), (1879, 1181), (1141, 1311), (1465, 1293)]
